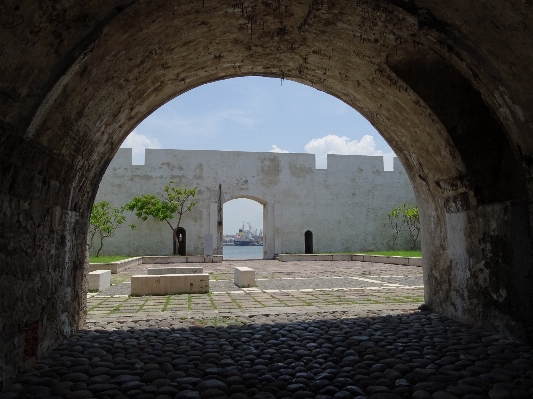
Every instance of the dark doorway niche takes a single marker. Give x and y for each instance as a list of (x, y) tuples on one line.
[(182, 236), (308, 242)]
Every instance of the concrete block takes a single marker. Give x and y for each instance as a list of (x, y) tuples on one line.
[(415, 262), (181, 259), (164, 259), (319, 257), (397, 260), (358, 258), (112, 267), (158, 271), (304, 257), (375, 258), (116, 267), (288, 258), (244, 277), (341, 257), (99, 279), (169, 284)]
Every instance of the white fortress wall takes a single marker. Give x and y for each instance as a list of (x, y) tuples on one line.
[(345, 206)]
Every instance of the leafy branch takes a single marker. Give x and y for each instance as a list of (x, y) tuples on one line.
[(173, 200), (405, 218), (104, 220)]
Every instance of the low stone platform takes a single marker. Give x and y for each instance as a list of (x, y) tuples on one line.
[(181, 259), (169, 284), (175, 270), (116, 267), (394, 260)]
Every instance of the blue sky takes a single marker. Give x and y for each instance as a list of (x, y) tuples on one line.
[(260, 115)]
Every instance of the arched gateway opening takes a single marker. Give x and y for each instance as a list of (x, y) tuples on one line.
[(449, 92), (249, 242), (308, 240), (182, 238)]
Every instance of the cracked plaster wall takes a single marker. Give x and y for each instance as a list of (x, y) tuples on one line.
[(345, 205)]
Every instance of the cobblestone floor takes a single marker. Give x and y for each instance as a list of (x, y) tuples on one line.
[(342, 330)]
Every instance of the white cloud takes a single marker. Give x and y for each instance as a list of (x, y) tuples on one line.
[(333, 144), (138, 142), (279, 150)]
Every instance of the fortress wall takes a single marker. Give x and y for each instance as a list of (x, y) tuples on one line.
[(351, 200), (363, 163), (344, 206)]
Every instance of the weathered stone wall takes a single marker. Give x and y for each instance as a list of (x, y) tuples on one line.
[(345, 205), (447, 84), (39, 227)]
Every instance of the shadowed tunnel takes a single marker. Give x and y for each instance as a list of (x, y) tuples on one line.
[(447, 84)]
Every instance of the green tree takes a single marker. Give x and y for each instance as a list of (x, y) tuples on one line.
[(105, 220), (405, 218), (173, 200)]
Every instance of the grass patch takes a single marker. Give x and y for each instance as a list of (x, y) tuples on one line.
[(412, 299), (167, 302), (107, 259), (235, 301), (119, 278), (257, 300), (189, 301), (409, 254), (212, 301), (142, 305), (98, 304)]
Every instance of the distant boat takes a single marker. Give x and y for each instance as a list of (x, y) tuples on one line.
[(244, 238), (243, 243)]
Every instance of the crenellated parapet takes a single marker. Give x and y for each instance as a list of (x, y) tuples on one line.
[(346, 205)]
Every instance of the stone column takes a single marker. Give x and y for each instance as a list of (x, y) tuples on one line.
[(268, 231), (213, 225), (277, 228)]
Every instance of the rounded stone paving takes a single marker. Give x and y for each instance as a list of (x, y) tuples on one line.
[(330, 330), (409, 355)]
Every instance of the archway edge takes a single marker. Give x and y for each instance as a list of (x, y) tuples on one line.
[(232, 197), (121, 105)]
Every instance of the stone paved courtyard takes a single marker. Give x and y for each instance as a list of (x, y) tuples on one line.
[(325, 330), (282, 288)]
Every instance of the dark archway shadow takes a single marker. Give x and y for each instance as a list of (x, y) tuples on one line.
[(182, 249), (360, 356), (308, 237)]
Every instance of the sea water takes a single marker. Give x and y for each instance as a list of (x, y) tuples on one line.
[(238, 252)]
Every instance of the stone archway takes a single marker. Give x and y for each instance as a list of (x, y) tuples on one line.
[(446, 83)]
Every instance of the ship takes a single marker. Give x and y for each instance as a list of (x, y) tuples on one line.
[(245, 238)]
